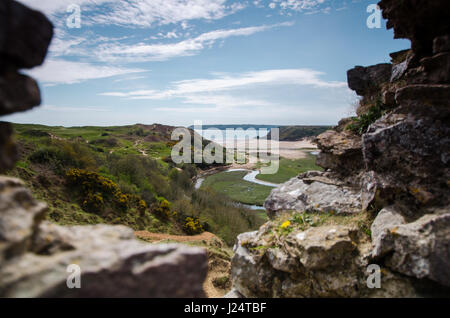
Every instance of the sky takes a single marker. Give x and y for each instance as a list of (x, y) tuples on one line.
[(279, 62)]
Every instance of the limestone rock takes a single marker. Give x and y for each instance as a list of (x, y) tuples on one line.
[(387, 218), (25, 35), (316, 196), (19, 216), (8, 150), (420, 249), (365, 80), (418, 20), (418, 155), (424, 96), (112, 262), (17, 93), (441, 44), (340, 151), (399, 70), (233, 294), (436, 68)]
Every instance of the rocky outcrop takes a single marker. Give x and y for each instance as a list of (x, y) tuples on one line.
[(112, 262), (35, 256), (390, 164), (366, 80), (25, 35), (24, 39), (313, 191), (327, 261), (420, 26), (340, 151), (420, 249), (8, 150)]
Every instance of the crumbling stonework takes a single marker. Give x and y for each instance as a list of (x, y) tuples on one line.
[(35, 255), (397, 168)]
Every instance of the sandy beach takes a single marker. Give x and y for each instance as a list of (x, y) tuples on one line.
[(286, 149)]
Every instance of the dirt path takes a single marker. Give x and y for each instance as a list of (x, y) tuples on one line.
[(205, 236), (217, 267)]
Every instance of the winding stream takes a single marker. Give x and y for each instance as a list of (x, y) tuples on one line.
[(250, 177)]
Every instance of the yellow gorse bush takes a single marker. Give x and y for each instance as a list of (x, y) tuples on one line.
[(97, 190), (193, 226)]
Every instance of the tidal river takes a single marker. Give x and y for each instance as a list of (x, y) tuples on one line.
[(250, 177)]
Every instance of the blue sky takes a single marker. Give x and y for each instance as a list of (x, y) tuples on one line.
[(222, 62)]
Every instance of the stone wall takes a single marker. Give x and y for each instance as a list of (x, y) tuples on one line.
[(395, 172), (35, 255)]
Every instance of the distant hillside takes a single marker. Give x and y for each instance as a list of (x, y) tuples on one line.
[(287, 133), (294, 133), (245, 126)]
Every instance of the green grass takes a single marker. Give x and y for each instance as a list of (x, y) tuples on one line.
[(233, 186), (290, 168)]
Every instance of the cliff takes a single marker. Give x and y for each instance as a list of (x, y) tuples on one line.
[(384, 197)]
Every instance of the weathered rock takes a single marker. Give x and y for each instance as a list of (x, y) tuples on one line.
[(340, 151), (399, 70), (319, 247), (317, 196), (8, 150), (420, 249), (400, 56), (19, 216), (25, 35), (366, 80), (418, 20), (417, 164), (441, 44), (112, 262), (233, 294), (404, 174), (436, 68), (312, 263), (388, 98), (424, 95), (328, 261), (386, 219), (17, 93)]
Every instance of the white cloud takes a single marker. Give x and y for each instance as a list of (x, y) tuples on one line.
[(58, 6), (144, 13), (224, 91), (299, 5), (142, 52), (139, 13), (55, 72), (72, 109)]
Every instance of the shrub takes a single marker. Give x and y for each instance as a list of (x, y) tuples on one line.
[(193, 226), (96, 189), (61, 155), (361, 124), (161, 208), (93, 202)]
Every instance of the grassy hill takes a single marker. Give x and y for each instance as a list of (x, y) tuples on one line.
[(294, 133), (122, 175)]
